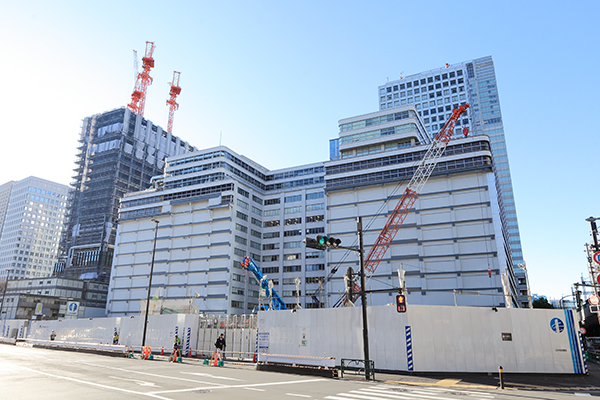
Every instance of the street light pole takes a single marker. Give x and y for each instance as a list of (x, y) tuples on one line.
[(363, 297), (150, 282)]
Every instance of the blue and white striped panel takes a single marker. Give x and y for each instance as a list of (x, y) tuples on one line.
[(409, 353), (585, 367), (187, 341), (579, 364)]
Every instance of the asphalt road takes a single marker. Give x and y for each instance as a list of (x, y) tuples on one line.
[(35, 373)]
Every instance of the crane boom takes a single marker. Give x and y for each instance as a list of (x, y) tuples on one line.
[(251, 266), (408, 198), (412, 191)]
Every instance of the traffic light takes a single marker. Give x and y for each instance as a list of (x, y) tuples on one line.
[(400, 303), (329, 241), (313, 244)]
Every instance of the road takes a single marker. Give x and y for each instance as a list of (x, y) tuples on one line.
[(35, 373)]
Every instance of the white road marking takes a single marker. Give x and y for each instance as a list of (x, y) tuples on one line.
[(141, 383), (150, 374), (298, 395), (97, 384), (258, 390), (212, 376), (404, 393), (242, 386)]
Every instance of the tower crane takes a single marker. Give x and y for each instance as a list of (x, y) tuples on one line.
[(173, 105), (408, 198), (138, 97)]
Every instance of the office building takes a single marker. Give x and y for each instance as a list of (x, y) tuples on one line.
[(32, 227), (119, 152), (434, 94), (213, 208)]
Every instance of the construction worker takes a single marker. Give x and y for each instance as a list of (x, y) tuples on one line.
[(176, 343), (116, 338), (52, 335), (220, 345)]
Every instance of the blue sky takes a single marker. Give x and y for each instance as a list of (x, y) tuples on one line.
[(274, 77)]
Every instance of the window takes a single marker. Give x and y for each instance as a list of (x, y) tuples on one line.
[(293, 221), (318, 195), (270, 270), (243, 192), (255, 245), (274, 257), (314, 267), (270, 235), (255, 233), (295, 232), (314, 207), (315, 279), (292, 268), (291, 210), (241, 240), (315, 218), (288, 257), (256, 222), (257, 200), (272, 201), (291, 199), (237, 304), (313, 231), (241, 215), (270, 224), (257, 211), (292, 245), (270, 246), (242, 204), (315, 254), (270, 213), (241, 228)]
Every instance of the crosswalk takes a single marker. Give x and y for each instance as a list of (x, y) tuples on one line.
[(403, 392)]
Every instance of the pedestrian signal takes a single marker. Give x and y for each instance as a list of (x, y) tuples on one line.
[(400, 303)]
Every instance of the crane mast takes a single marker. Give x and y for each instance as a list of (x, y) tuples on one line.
[(173, 105), (138, 97)]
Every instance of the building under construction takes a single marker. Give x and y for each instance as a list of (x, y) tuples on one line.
[(119, 152)]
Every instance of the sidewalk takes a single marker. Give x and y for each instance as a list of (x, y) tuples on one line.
[(550, 382)]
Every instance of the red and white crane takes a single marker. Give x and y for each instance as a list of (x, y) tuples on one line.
[(412, 191), (173, 105), (138, 97)]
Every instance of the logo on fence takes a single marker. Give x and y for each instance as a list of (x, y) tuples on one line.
[(557, 325)]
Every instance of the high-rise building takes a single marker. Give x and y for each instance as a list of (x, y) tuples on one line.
[(119, 152), (434, 94), (32, 227)]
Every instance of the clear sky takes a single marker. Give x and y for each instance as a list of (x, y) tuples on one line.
[(272, 78)]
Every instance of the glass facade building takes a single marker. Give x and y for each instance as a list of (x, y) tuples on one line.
[(436, 92)]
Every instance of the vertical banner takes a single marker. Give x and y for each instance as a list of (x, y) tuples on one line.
[(409, 353)]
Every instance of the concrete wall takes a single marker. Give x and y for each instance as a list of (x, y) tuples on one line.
[(431, 338)]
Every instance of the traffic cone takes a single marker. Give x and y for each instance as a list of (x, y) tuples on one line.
[(162, 351), (216, 360)]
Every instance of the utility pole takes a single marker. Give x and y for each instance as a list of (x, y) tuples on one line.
[(363, 297)]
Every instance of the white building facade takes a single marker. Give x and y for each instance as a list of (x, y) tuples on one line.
[(32, 228), (213, 208), (453, 244)]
